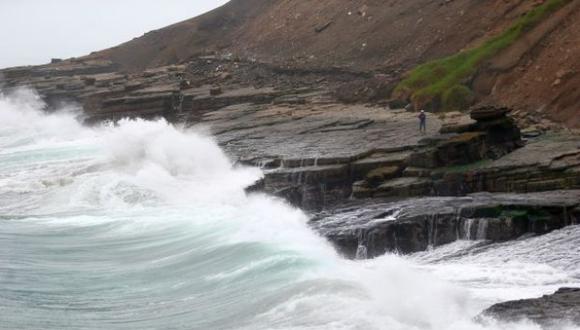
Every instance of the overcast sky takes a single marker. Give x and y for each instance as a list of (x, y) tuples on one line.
[(34, 31)]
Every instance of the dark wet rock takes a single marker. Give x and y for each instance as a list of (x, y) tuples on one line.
[(381, 159), (548, 163), (416, 224), (310, 187), (457, 127), (375, 88), (317, 152), (549, 311), (404, 187), (215, 91), (382, 174), (459, 149), (502, 133), (491, 136), (489, 113), (302, 145), (369, 140)]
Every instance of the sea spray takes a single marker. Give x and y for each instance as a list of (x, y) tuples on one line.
[(141, 224)]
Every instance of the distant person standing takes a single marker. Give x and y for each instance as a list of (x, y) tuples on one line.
[(423, 122)]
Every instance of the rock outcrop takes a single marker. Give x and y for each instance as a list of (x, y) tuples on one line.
[(549, 311), (415, 225), (483, 155), (538, 72)]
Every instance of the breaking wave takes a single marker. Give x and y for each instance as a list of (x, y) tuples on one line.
[(145, 225)]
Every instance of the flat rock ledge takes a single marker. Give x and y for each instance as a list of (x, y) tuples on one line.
[(414, 225), (549, 311)]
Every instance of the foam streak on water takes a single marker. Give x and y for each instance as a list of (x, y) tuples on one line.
[(142, 225)]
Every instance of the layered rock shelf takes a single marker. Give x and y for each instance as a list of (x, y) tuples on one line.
[(321, 154), (418, 224)]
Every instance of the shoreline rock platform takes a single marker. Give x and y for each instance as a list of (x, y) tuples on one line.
[(372, 183)]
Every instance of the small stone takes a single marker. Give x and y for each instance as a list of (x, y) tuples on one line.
[(215, 91)]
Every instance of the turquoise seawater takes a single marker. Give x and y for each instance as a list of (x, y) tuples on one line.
[(143, 225)]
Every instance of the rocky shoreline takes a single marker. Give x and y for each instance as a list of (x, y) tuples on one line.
[(372, 182), (414, 225), (316, 151)]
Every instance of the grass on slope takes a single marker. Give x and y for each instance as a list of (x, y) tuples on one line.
[(437, 80)]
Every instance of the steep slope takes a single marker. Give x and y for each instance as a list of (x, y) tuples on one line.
[(447, 83), (362, 34), (208, 33), (547, 79)]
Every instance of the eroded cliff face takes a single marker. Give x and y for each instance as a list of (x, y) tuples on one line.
[(537, 74), (368, 34), (546, 78), (209, 33)]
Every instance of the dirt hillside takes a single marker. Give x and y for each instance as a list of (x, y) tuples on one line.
[(547, 78), (380, 35), (363, 34)]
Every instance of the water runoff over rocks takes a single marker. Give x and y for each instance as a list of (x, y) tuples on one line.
[(143, 225)]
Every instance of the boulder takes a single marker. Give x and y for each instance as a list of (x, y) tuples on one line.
[(486, 113), (502, 133), (214, 91), (548, 311)]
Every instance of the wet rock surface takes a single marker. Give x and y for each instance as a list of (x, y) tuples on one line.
[(322, 154), (550, 311), (413, 225), (177, 92)]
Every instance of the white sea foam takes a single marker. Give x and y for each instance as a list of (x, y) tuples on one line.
[(146, 225)]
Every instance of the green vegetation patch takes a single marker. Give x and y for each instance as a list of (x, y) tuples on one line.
[(441, 82), (514, 213), (530, 215)]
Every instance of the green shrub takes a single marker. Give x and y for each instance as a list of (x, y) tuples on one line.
[(428, 83)]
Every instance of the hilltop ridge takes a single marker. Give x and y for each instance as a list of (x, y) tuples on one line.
[(537, 74)]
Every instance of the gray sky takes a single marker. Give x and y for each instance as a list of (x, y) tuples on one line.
[(34, 31)]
